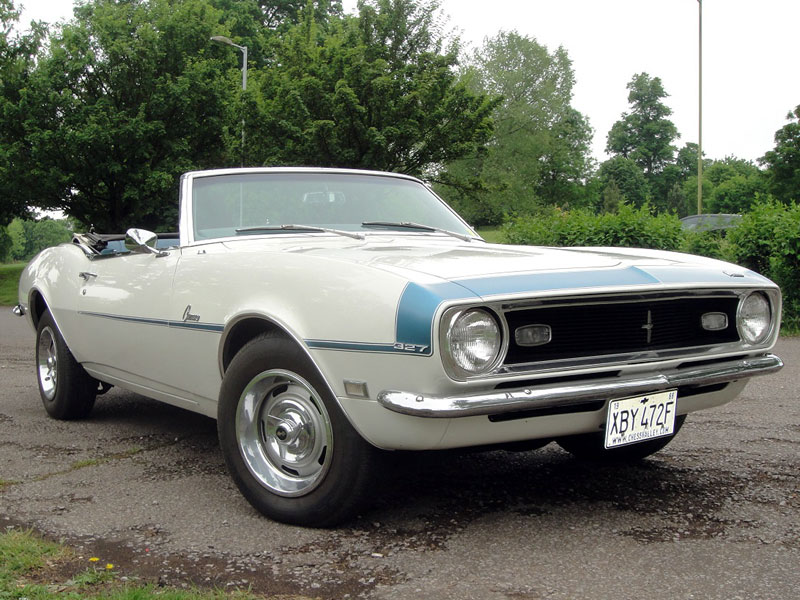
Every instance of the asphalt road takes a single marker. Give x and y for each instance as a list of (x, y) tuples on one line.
[(143, 485)]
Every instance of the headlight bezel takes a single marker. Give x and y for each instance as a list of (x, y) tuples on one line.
[(768, 332), (451, 365)]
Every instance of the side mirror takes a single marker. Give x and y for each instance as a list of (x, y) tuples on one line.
[(141, 240)]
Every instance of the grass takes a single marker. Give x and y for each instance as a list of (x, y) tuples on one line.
[(491, 234), (9, 283), (790, 326), (21, 552), (36, 569), (82, 464)]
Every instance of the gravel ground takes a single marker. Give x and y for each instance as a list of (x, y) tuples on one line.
[(143, 485)]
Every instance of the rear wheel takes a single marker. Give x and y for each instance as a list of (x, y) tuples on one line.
[(591, 446), (286, 442), (67, 390)]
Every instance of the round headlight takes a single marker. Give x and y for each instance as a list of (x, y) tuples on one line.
[(755, 318), (474, 341)]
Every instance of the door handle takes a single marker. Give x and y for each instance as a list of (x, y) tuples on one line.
[(86, 275)]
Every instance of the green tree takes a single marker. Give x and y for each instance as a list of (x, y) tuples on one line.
[(28, 237), (627, 177), (662, 184), (378, 92), (5, 245), (645, 134), (17, 59), (127, 97), (567, 161), (686, 160), (730, 185), (255, 23), (736, 184), (690, 191), (783, 162), (20, 233), (49, 232), (676, 200), (539, 152), (612, 197)]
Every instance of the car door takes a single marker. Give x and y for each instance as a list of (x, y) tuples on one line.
[(124, 309)]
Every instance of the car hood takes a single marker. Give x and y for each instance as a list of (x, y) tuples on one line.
[(480, 266)]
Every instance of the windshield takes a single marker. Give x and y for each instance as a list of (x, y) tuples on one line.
[(260, 203)]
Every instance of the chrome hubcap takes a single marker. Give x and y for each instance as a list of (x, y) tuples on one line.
[(48, 363), (284, 433)]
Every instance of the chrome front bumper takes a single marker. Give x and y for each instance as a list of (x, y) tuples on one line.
[(498, 402), (19, 310)]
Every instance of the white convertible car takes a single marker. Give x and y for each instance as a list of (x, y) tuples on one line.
[(320, 315)]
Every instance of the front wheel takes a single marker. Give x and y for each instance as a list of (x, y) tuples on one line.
[(287, 444), (67, 390), (591, 446)]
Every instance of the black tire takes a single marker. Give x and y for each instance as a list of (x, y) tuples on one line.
[(68, 392), (590, 446), (288, 446)]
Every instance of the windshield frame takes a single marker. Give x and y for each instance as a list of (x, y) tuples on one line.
[(188, 234)]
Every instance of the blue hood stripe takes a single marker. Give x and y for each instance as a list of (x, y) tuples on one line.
[(566, 280)]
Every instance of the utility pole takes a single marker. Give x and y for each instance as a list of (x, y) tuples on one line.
[(700, 113), (221, 39)]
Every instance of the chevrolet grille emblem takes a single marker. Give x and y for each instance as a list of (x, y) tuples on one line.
[(649, 326)]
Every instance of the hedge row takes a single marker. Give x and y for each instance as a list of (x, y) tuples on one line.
[(766, 240)]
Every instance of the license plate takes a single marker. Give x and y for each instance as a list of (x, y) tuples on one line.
[(641, 418)]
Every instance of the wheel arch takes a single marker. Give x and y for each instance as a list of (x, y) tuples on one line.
[(245, 327), (37, 306)]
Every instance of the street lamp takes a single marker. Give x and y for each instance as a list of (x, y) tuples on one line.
[(700, 112), (221, 39)]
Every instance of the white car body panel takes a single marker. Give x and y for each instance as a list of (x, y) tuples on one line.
[(364, 310)]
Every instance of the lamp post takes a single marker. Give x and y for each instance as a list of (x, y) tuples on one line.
[(700, 112), (221, 39)]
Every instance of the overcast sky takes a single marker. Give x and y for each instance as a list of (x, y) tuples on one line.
[(751, 53)]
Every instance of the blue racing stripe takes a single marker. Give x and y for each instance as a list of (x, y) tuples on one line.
[(707, 275), (158, 322), (351, 346), (564, 280)]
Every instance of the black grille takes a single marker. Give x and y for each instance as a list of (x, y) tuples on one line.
[(602, 328)]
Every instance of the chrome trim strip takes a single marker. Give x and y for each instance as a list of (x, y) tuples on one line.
[(19, 310), (498, 402)]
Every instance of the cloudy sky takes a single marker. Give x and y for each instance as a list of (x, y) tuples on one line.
[(751, 53)]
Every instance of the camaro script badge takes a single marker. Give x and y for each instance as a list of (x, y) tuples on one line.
[(188, 316)]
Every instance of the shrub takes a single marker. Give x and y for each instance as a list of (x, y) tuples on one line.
[(753, 239), (631, 227), (785, 264), (713, 244)]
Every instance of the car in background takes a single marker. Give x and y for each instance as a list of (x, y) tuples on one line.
[(710, 222)]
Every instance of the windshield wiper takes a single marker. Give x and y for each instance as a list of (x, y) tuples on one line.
[(312, 228), (419, 226)]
